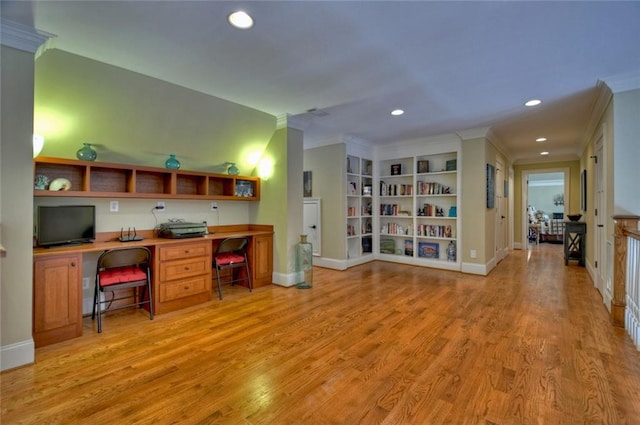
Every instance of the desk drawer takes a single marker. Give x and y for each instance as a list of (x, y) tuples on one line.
[(191, 250), (184, 288), (180, 269)]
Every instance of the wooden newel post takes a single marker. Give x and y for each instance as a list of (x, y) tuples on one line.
[(618, 301)]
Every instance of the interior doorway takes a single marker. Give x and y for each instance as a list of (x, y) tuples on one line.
[(544, 205)]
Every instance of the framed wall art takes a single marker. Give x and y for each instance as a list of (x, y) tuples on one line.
[(583, 191), (491, 186)]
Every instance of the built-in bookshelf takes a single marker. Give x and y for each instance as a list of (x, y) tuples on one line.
[(418, 209), (359, 231)]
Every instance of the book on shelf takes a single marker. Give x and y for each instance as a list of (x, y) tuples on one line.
[(408, 247), (387, 246), (428, 250)]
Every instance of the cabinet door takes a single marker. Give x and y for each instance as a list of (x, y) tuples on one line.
[(262, 261), (57, 299)]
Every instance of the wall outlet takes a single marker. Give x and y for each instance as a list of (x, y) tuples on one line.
[(214, 206), (85, 283), (473, 254), (160, 206), (113, 206)]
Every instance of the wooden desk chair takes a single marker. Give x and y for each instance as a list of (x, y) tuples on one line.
[(232, 254), (123, 268)]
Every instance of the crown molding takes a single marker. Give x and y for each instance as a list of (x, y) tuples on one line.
[(602, 98), (22, 37), (289, 121)]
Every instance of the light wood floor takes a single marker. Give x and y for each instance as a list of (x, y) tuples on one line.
[(378, 344)]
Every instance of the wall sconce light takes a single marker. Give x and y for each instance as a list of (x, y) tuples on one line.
[(265, 169), (38, 144)]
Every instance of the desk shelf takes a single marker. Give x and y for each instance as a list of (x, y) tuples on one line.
[(100, 179)]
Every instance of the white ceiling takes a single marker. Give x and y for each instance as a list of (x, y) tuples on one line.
[(451, 66)]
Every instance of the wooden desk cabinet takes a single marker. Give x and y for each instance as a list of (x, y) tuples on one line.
[(261, 260), (183, 276), (57, 298)]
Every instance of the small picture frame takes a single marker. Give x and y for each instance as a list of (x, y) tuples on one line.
[(429, 250), (387, 246), (244, 189), (423, 166), (396, 169), (307, 183), (451, 165)]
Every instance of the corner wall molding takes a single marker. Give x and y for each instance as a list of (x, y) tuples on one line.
[(289, 121), (22, 37)]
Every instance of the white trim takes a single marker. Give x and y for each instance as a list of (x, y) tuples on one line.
[(21, 37), (18, 354), (330, 263), (525, 197), (285, 279), (475, 268)]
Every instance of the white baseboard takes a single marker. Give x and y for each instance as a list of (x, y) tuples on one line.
[(18, 354), (475, 268), (286, 279), (330, 263)]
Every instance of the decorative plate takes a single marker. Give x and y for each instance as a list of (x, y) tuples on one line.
[(60, 184)]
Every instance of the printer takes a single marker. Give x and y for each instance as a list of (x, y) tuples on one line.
[(181, 229)]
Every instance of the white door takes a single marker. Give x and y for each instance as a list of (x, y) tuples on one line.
[(312, 223), (599, 217)]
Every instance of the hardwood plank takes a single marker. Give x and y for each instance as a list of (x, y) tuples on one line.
[(380, 343)]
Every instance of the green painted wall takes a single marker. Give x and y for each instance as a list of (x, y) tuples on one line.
[(135, 119), (327, 166)]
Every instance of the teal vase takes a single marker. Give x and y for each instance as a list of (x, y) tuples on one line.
[(86, 153), (172, 162), (233, 170)]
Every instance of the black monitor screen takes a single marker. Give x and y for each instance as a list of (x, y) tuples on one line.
[(66, 224)]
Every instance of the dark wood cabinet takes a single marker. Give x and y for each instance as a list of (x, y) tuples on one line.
[(574, 242)]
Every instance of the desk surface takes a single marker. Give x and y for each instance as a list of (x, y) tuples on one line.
[(112, 242)]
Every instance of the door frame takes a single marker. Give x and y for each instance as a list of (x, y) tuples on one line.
[(525, 196), (317, 202)]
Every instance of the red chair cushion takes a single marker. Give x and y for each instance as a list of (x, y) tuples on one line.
[(121, 275), (229, 258)]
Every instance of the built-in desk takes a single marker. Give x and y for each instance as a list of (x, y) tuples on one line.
[(181, 274)]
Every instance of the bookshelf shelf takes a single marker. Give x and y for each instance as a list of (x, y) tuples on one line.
[(101, 179), (426, 187)]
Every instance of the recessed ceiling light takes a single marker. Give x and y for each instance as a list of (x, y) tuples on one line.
[(544, 153), (240, 20), (541, 139), (532, 102), (397, 112)]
